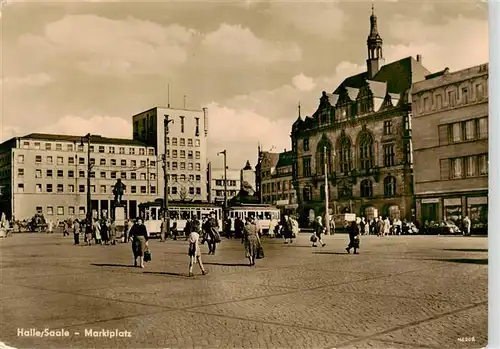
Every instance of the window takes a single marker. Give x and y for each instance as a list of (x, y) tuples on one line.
[(470, 129), (174, 154), (389, 156), (113, 174), (191, 178), (143, 163), (306, 167), (190, 166), (197, 155), (71, 160), (123, 175), (143, 189), (81, 161), (174, 178), (103, 174), (439, 102), (387, 127), (142, 151), (81, 210), (26, 145), (69, 147), (38, 173), (427, 104), (92, 188), (366, 188), (60, 188), (20, 172), (174, 141), (168, 140), (483, 128), (48, 146), (307, 193), (408, 153), (456, 168), (113, 162), (121, 150), (323, 153), (182, 154), (101, 149), (151, 152), (389, 186), (81, 174), (153, 189), (196, 142), (182, 142), (345, 155), (71, 210), (479, 92), (48, 188), (103, 189), (133, 175), (143, 176), (452, 99), (456, 132), (131, 151), (38, 159), (80, 148), (133, 163), (111, 150), (48, 174), (60, 173), (197, 129), (198, 177), (471, 166), (174, 190), (198, 167), (60, 160), (366, 150), (37, 145), (133, 189), (49, 160), (38, 188), (71, 188), (190, 142), (305, 143), (483, 164), (58, 146), (465, 95), (71, 174), (123, 162), (92, 174), (198, 191), (20, 159), (50, 210), (190, 154), (182, 124), (20, 188), (92, 149)]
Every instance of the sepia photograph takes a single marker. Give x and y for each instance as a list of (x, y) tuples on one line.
[(240, 174)]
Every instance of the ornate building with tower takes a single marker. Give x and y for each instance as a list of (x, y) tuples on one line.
[(362, 131)]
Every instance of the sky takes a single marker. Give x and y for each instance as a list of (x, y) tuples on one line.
[(78, 67)]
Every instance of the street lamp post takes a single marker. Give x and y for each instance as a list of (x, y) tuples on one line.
[(224, 152), (165, 175), (86, 138), (327, 213)]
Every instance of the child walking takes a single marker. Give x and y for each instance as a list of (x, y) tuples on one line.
[(194, 251)]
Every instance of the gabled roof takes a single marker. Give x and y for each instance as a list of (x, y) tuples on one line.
[(286, 159), (272, 157), (93, 139)]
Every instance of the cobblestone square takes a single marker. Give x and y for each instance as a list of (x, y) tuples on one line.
[(399, 292)]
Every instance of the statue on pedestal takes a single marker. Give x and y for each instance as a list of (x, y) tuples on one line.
[(118, 190)]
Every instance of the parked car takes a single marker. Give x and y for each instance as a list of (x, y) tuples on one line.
[(443, 228)]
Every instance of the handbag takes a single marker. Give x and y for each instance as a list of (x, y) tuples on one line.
[(148, 256), (313, 238), (260, 253)]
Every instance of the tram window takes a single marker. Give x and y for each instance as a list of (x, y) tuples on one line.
[(174, 215), (197, 215)]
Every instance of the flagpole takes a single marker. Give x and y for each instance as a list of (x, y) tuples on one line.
[(327, 211)]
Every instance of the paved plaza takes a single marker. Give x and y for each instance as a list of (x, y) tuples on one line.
[(400, 292)]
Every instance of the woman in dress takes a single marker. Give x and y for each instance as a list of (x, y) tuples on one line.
[(139, 235), (251, 240), (97, 232), (194, 251), (318, 230)]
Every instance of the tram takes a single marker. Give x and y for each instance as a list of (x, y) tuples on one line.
[(263, 213), (180, 212)]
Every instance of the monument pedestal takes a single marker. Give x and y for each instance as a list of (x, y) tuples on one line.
[(119, 215)]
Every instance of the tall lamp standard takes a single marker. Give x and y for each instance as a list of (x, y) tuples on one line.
[(327, 209), (86, 138), (166, 216), (224, 152)]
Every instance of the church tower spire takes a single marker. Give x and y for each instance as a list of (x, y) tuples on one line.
[(374, 43)]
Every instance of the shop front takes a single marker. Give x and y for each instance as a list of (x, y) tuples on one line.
[(429, 210), (453, 211), (477, 208)]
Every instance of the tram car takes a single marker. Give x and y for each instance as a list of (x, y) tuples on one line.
[(263, 214), (180, 212)]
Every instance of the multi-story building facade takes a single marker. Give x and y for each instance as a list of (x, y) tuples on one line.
[(216, 184), (47, 174), (276, 178), (450, 146), (362, 131), (186, 153)]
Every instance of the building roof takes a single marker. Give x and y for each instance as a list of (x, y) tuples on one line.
[(93, 139), (398, 75), (247, 166), (286, 159), (272, 157)]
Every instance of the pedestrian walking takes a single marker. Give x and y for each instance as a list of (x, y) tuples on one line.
[(287, 229), (104, 231), (97, 232), (112, 233), (212, 229), (163, 230), (239, 225), (194, 251), (76, 232), (318, 230), (466, 226), (66, 227), (251, 240), (387, 226), (50, 227), (354, 233), (139, 236), (89, 232)]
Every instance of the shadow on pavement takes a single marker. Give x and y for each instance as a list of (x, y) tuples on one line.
[(113, 265), (166, 273), (227, 264), (324, 252), (481, 261), (466, 249)]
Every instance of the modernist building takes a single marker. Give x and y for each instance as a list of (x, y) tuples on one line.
[(450, 146), (363, 132), (276, 178), (216, 184), (46, 173), (186, 153)]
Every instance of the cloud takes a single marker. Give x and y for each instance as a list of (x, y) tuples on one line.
[(458, 44), (107, 46), (106, 126), (318, 18), (33, 80), (236, 41), (303, 83)]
